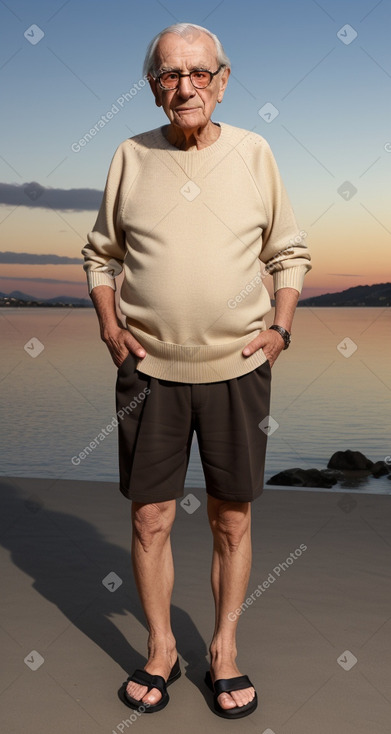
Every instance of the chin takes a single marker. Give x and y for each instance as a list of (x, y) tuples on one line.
[(189, 120)]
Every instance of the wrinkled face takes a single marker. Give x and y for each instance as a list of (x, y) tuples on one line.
[(187, 107)]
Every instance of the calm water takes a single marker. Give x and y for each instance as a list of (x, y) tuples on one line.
[(54, 404)]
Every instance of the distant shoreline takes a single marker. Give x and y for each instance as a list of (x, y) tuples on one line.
[(14, 303), (360, 296), (44, 305), (39, 304)]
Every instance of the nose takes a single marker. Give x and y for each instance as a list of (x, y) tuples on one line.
[(185, 88)]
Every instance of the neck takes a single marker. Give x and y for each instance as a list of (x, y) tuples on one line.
[(192, 139)]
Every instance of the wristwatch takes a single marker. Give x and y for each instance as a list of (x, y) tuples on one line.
[(284, 333)]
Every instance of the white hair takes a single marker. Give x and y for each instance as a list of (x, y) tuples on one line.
[(185, 30)]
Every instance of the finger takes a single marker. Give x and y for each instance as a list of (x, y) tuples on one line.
[(119, 357), (268, 340), (134, 346), (253, 346)]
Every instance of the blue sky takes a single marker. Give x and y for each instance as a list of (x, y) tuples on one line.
[(332, 98)]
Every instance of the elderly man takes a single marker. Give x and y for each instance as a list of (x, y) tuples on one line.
[(195, 214)]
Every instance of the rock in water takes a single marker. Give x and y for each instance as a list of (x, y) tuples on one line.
[(379, 469), (305, 478), (349, 460)]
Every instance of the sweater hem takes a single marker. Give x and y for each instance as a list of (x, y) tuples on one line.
[(196, 363)]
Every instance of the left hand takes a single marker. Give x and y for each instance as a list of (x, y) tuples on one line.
[(270, 341)]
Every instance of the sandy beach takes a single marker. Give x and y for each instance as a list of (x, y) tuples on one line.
[(314, 638)]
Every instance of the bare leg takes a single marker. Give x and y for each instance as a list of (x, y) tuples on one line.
[(153, 570), (231, 527)]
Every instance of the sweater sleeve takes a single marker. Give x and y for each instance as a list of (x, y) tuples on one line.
[(105, 249), (284, 251)]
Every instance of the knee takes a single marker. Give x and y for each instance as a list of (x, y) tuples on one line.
[(230, 523), (152, 522)]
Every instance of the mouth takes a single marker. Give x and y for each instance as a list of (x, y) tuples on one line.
[(186, 109)]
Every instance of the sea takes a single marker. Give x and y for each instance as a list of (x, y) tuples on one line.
[(331, 391)]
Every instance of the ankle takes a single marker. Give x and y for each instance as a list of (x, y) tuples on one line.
[(222, 650), (161, 645)]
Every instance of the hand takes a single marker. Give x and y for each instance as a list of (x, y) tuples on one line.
[(270, 341), (120, 342)]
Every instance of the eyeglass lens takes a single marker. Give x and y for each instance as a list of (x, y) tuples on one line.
[(199, 78)]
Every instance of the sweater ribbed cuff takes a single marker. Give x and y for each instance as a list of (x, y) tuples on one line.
[(290, 278), (95, 278)]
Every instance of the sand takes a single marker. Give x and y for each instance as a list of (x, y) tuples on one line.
[(314, 639)]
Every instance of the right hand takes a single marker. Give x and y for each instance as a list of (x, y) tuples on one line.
[(120, 342)]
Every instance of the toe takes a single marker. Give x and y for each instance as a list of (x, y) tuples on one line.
[(226, 701), (136, 691), (153, 697), (141, 693), (236, 698), (243, 696)]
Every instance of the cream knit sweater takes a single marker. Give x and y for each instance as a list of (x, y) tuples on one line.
[(195, 232)]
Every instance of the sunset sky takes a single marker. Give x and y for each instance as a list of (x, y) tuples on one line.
[(325, 66)]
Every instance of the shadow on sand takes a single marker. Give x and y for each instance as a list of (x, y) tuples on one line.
[(67, 558)]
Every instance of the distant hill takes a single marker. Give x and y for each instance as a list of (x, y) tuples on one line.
[(18, 295), (17, 299), (70, 300), (360, 295)]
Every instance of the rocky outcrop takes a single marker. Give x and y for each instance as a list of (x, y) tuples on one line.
[(349, 460), (343, 464), (306, 478)]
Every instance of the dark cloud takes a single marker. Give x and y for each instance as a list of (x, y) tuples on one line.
[(34, 195), (26, 258), (41, 280)]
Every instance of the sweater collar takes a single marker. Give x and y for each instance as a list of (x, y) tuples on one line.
[(204, 153)]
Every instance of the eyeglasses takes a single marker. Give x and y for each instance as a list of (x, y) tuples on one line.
[(200, 78)]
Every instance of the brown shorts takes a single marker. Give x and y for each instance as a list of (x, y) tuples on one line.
[(156, 422)]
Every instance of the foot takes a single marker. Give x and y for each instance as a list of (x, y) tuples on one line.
[(158, 664), (235, 698)]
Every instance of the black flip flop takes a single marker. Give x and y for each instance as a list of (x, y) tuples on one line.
[(151, 681), (226, 685)]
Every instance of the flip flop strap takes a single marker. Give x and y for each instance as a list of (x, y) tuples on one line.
[(151, 681), (226, 685)]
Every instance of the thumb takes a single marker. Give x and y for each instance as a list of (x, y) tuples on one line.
[(134, 346), (255, 344)]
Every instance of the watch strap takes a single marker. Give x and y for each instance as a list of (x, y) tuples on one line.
[(284, 333)]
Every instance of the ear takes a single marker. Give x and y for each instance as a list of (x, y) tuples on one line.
[(223, 83), (155, 90)]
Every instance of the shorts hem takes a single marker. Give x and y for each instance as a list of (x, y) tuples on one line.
[(235, 497), (151, 497)]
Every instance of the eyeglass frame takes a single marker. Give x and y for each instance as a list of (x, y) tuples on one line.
[(174, 71)]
